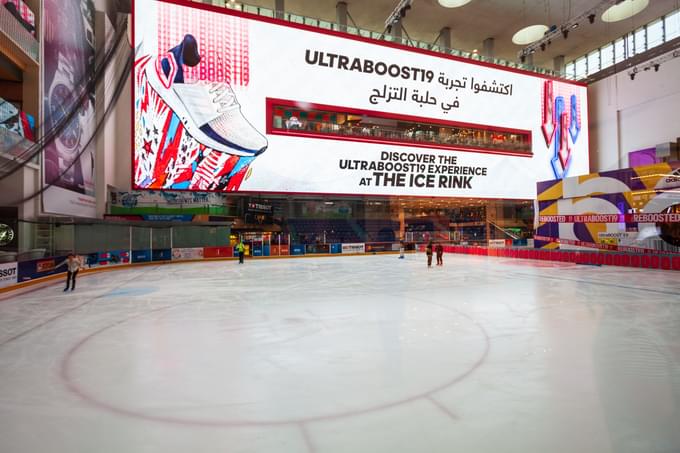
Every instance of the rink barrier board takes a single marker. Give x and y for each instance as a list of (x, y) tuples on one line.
[(643, 261), (40, 282), (636, 260)]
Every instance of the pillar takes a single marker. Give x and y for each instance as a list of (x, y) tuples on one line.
[(445, 38), (402, 224), (341, 15), (396, 30), (279, 8), (488, 48), (558, 63)]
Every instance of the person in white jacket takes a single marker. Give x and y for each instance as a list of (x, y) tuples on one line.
[(73, 264)]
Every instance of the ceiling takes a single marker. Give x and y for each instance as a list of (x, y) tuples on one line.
[(480, 19)]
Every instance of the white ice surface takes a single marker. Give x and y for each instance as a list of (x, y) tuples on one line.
[(361, 354)]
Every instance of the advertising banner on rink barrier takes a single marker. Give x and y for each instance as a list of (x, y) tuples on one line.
[(8, 274), (353, 248), (226, 101), (193, 253)]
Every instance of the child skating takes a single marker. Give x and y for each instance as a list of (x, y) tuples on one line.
[(439, 250)]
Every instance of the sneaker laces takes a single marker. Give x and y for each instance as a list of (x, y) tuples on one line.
[(224, 96)]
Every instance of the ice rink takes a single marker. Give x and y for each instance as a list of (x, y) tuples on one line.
[(345, 355)]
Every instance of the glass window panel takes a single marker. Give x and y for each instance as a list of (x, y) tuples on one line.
[(594, 61), (607, 56), (630, 45), (673, 25), (580, 67), (619, 50), (640, 40), (655, 33), (571, 70)]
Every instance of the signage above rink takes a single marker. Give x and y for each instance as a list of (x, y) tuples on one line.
[(226, 101)]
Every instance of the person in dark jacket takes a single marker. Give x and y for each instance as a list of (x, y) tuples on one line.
[(428, 252), (439, 250)]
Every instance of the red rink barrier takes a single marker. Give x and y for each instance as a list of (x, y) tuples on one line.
[(635, 261), (218, 252), (626, 259), (665, 263)]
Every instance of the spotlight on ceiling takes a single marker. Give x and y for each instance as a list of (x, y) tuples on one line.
[(522, 58), (656, 67), (565, 33), (632, 76), (574, 25), (591, 18), (543, 46)]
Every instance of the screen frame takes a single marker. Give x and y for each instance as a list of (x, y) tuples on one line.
[(338, 34)]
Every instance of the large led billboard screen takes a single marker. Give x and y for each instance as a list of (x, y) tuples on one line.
[(226, 101)]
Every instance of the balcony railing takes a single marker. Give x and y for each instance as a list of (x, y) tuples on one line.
[(12, 30)]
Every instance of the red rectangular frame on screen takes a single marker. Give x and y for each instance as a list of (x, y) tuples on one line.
[(339, 34), (272, 102)]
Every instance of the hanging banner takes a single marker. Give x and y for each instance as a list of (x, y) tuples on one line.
[(214, 111), (68, 49)]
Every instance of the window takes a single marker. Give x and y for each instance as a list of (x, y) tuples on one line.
[(655, 34), (607, 56), (640, 40), (619, 50), (288, 118), (630, 45), (580, 68), (634, 43), (594, 61), (672, 25)]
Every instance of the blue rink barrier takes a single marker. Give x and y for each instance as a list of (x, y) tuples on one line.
[(161, 255), (317, 248), (336, 248), (297, 249), (266, 250), (256, 250), (29, 270), (141, 256)]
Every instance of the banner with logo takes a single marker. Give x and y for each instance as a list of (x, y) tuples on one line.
[(68, 164), (353, 248), (8, 274), (191, 253), (347, 116), (635, 208)]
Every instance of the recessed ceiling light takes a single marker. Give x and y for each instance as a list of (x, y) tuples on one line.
[(453, 3), (624, 10), (529, 34)]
